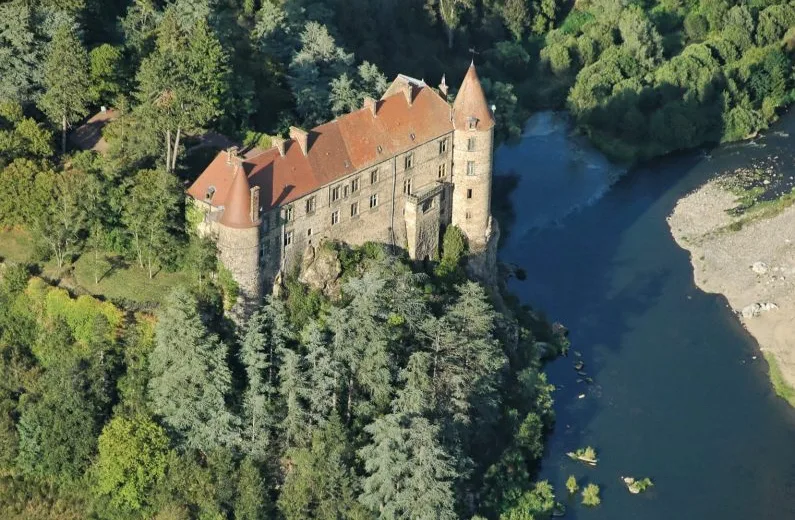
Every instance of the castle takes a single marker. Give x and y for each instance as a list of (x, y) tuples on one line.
[(397, 171)]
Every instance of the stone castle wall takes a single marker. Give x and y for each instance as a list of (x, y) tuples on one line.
[(238, 250), (472, 189)]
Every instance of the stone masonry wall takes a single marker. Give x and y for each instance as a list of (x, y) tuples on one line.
[(238, 250), (472, 192)]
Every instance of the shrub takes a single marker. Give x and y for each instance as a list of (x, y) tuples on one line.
[(571, 484), (590, 495)]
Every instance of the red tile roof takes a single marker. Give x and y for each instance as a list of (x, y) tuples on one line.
[(470, 102), (340, 147), (237, 210)]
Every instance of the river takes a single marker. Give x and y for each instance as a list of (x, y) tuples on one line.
[(680, 391)]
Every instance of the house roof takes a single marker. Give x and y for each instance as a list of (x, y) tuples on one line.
[(470, 102), (335, 149), (237, 212)]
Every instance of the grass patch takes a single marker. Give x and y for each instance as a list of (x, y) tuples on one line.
[(122, 282), (780, 385), (16, 245), (763, 210)]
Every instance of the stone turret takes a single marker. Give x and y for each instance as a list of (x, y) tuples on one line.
[(239, 239), (473, 143)]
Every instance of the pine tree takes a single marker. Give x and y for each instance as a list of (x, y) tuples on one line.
[(21, 52), (267, 337), (324, 372), (66, 80), (190, 377), (295, 426)]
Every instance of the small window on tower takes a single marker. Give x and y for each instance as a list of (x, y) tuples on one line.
[(471, 144), (470, 167), (468, 215), (409, 160), (442, 170), (473, 123), (309, 232), (469, 193), (210, 193)]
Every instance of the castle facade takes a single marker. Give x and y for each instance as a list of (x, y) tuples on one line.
[(397, 171)]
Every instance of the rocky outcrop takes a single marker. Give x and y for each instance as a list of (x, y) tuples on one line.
[(321, 270), (755, 309)]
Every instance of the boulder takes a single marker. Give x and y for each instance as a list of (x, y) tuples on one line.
[(759, 267), (755, 309), (321, 269)]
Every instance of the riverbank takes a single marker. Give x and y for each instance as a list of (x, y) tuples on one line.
[(744, 249)]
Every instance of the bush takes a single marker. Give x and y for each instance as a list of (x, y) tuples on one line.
[(571, 484), (590, 495), (696, 26)]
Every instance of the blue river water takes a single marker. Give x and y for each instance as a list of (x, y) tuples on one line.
[(680, 391)]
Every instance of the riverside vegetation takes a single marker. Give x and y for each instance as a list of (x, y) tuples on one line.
[(96, 422)]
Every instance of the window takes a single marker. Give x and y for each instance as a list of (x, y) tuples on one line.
[(409, 160), (335, 193), (263, 249), (288, 238), (442, 170), (373, 200), (473, 122), (407, 186), (354, 209), (427, 205), (311, 204), (469, 193), (471, 144), (442, 146), (288, 213), (470, 167), (345, 190), (335, 217), (309, 232), (210, 193), (468, 215), (373, 176), (355, 185)]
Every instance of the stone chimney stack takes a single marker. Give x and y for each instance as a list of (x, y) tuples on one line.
[(408, 91), (231, 154), (280, 143), (443, 87), (254, 209), (372, 104), (301, 137)]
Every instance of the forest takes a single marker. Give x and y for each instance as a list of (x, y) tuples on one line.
[(127, 393), (407, 396)]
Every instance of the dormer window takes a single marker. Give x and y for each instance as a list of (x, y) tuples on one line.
[(472, 122), (210, 193)]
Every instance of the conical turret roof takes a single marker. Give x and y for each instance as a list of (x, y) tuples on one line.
[(237, 207), (471, 102)]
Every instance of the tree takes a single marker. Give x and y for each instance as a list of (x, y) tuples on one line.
[(190, 377), (252, 501), (348, 94), (63, 224), (106, 73), (590, 495), (181, 84), (66, 79), (536, 503), (319, 482), (21, 52), (151, 216), (132, 460), (409, 473), (449, 12), (267, 337)]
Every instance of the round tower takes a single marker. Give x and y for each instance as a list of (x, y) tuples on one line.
[(239, 238), (473, 151)]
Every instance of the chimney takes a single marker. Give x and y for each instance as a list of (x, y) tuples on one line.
[(443, 87), (231, 153), (301, 137), (254, 209), (372, 104), (279, 143), (408, 92)]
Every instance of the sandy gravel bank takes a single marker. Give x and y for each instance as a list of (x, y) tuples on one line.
[(754, 267)]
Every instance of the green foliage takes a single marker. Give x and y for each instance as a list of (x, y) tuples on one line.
[(132, 460), (106, 73), (229, 287), (534, 504), (571, 484), (454, 248), (590, 495), (190, 379)]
